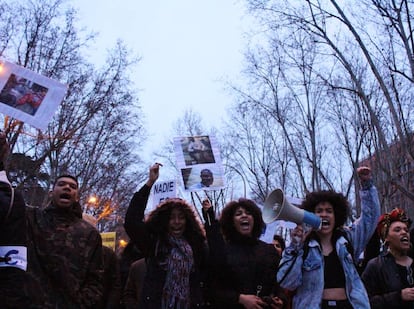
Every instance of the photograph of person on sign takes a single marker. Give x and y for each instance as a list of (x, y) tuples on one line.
[(197, 150), (23, 94), (203, 177), (27, 96)]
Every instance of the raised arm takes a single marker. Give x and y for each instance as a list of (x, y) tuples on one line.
[(217, 249), (134, 218), (362, 229)]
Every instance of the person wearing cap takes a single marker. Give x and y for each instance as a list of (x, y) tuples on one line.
[(173, 243), (388, 278), (320, 267)]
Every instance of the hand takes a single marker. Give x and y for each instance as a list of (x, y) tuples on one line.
[(407, 294), (154, 172), (277, 303), (206, 204), (299, 234), (251, 301), (364, 173)]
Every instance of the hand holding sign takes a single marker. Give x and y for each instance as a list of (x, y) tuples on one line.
[(154, 172)]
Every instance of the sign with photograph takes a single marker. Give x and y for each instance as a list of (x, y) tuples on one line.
[(198, 158), (28, 96)]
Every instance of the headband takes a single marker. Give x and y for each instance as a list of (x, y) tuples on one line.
[(386, 219)]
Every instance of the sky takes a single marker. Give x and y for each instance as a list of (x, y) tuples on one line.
[(188, 48)]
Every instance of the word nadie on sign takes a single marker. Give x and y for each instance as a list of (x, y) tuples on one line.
[(164, 187), (164, 190)]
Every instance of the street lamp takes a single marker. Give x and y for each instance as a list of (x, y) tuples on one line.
[(93, 200), (122, 243)]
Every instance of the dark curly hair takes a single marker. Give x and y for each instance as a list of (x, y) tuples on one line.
[(158, 220), (226, 219), (337, 200)]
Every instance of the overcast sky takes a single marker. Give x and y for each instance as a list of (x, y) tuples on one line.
[(188, 47)]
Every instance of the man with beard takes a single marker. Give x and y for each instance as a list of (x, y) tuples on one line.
[(207, 180)]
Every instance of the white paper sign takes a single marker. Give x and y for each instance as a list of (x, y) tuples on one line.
[(198, 158), (28, 96), (163, 190)]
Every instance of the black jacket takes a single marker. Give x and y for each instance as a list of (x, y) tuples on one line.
[(155, 252), (242, 266), (383, 283), (18, 289)]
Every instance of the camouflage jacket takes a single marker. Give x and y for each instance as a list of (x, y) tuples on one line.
[(65, 257)]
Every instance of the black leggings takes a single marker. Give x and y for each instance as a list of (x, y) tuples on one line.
[(338, 304)]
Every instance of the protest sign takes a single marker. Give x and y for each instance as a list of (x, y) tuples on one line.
[(28, 96), (163, 190)]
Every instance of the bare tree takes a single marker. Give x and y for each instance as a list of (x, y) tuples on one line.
[(98, 125), (253, 146), (284, 85), (364, 60)]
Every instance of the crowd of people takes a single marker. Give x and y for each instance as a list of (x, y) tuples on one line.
[(53, 257)]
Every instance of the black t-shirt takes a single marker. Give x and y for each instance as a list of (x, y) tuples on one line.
[(334, 276)]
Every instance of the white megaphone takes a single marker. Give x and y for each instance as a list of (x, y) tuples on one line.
[(277, 207)]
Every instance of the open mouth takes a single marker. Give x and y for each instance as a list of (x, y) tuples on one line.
[(65, 196), (244, 223), (325, 222), (404, 239), (176, 230), (245, 226)]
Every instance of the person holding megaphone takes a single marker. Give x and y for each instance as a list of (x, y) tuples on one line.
[(320, 267)]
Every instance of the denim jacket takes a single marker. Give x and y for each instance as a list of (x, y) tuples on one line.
[(307, 276)]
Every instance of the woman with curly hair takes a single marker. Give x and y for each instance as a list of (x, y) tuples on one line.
[(244, 266), (173, 243), (320, 267)]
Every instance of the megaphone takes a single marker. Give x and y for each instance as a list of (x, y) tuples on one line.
[(277, 207)]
